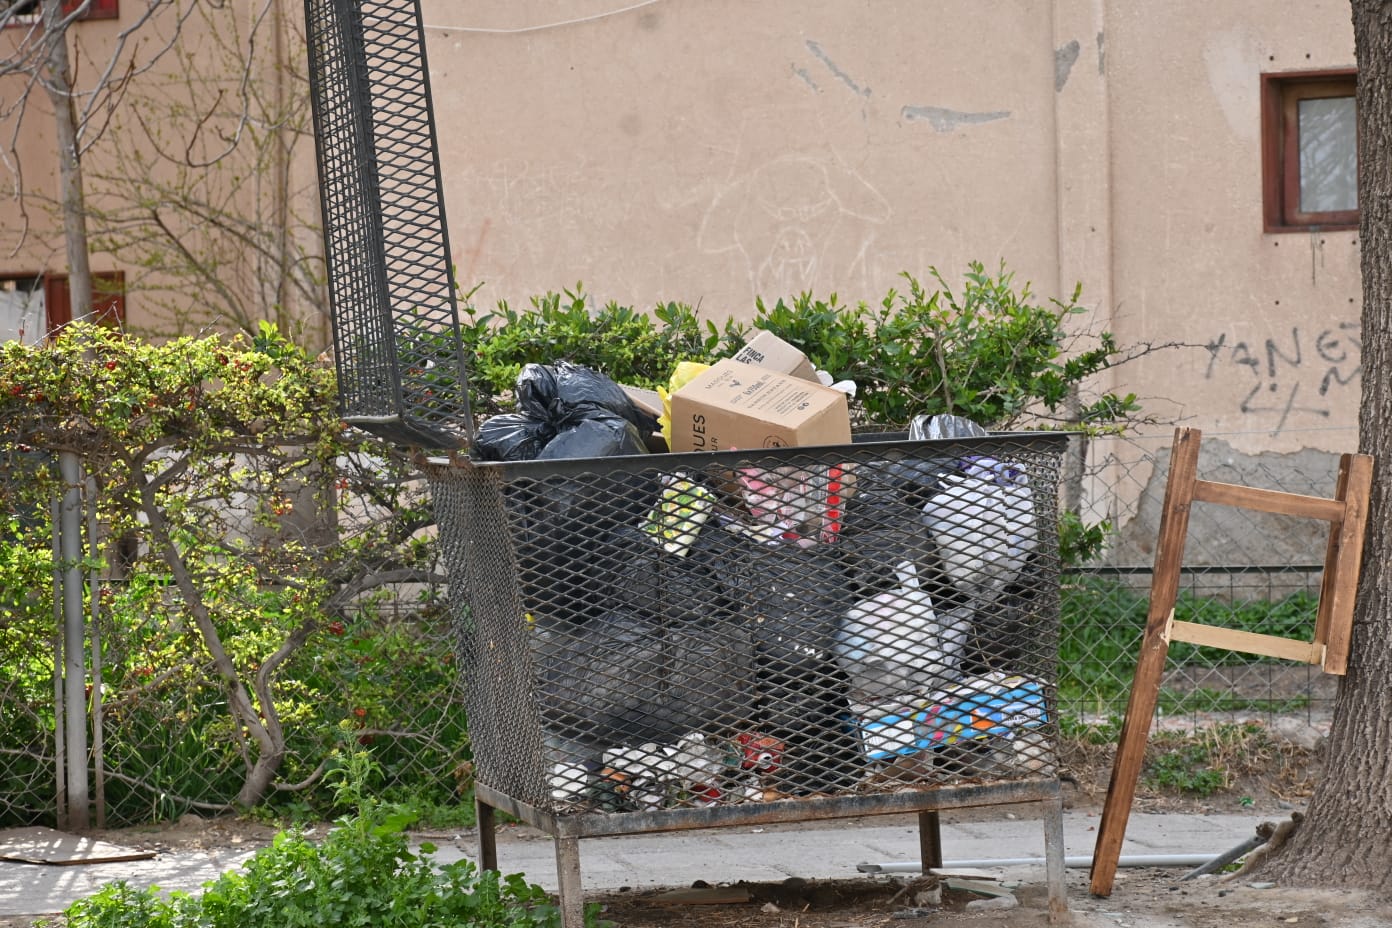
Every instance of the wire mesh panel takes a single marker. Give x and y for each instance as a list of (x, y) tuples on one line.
[(689, 631), (391, 284)]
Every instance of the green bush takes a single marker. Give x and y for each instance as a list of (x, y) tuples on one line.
[(364, 872), (988, 351), (238, 594)]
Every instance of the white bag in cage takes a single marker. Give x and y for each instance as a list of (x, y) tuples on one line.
[(894, 642), (983, 523)]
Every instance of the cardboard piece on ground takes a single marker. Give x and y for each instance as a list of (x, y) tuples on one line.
[(55, 848), (981, 887), (734, 405), (768, 350)]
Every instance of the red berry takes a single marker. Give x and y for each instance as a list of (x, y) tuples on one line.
[(111, 365), (336, 628)]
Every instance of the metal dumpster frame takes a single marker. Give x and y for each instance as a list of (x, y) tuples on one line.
[(485, 600)]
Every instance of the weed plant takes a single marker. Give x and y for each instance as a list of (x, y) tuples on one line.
[(363, 873)]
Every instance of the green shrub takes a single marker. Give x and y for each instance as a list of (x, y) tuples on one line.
[(988, 351), (364, 872)]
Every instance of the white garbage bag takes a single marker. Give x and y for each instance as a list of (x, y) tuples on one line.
[(894, 643), (982, 520)]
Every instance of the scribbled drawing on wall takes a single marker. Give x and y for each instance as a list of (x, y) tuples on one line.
[(800, 222), (1287, 380)]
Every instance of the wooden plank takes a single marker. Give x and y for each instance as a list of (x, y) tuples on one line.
[(1274, 501), (1346, 551), (1331, 557), (1150, 665), (1231, 639)]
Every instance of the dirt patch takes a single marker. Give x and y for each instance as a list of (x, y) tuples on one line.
[(1140, 899)]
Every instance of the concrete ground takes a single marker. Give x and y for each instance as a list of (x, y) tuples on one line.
[(823, 850)]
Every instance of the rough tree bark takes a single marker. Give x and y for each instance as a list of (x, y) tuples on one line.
[(1346, 839)]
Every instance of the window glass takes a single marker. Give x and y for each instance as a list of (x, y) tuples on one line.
[(1328, 130), (22, 315)]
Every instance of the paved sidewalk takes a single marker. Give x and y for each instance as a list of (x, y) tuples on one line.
[(829, 849)]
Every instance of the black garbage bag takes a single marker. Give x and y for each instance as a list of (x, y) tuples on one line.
[(559, 524), (646, 579), (567, 411), (944, 426), (512, 437), (793, 599), (624, 679), (565, 393), (600, 436), (562, 403), (920, 477), (881, 530)]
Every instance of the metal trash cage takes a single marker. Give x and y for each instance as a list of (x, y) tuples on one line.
[(391, 284), (675, 637)]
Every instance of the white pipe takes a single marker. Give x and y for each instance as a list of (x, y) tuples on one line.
[(74, 638), (1131, 860)]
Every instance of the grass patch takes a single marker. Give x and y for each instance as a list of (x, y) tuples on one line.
[(1102, 621)]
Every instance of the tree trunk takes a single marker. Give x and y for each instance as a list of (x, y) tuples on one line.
[(59, 83), (1345, 838)]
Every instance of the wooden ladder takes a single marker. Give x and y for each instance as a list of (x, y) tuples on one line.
[(1347, 514)]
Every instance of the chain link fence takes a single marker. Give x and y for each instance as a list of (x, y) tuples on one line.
[(1242, 569), (164, 743)]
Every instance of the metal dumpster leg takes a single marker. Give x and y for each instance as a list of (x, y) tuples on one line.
[(572, 897), (488, 835), (1054, 862), (930, 839)]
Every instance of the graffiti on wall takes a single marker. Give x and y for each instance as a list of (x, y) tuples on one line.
[(1285, 378)]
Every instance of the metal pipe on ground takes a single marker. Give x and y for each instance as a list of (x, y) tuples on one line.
[(1131, 860)]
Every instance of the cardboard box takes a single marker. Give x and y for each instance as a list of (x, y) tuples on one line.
[(734, 405), (647, 400), (768, 350), (993, 705)]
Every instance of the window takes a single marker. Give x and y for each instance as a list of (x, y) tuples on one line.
[(108, 299), (22, 315), (26, 12), (1310, 150), (31, 307)]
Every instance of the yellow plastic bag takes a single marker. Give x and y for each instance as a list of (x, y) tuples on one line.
[(686, 372)]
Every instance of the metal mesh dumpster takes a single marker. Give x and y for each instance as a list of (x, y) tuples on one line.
[(672, 641), (668, 641)]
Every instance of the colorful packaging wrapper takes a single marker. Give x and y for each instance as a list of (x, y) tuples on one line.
[(795, 505), (682, 508)]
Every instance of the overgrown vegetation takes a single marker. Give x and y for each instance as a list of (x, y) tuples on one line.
[(989, 351), (239, 589), (247, 538), (363, 872)]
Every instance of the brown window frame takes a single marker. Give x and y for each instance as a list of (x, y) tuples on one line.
[(108, 299), (97, 9), (1281, 94)]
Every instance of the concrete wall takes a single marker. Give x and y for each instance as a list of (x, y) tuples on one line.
[(714, 152), (720, 151)]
